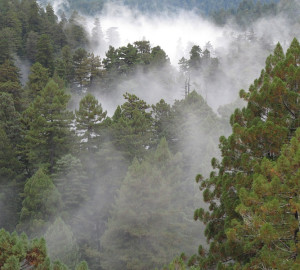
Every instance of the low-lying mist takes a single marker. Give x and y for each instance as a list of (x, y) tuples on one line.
[(240, 57), (241, 54)]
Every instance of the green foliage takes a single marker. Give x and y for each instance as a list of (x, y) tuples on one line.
[(125, 61), (10, 83), (82, 266), (106, 169), (270, 212), (204, 6), (37, 80), (89, 120), (149, 223), (48, 137), (71, 181), (44, 53), (244, 182), (132, 130), (183, 124), (246, 12), (61, 244), (17, 252), (75, 32), (41, 203)]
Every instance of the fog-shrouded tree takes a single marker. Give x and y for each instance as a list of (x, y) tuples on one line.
[(150, 222), (61, 244), (41, 203), (71, 181)]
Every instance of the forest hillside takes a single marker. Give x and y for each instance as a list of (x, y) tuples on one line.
[(127, 160)]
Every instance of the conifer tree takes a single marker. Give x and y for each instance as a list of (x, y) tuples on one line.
[(259, 132), (61, 244), (41, 203), (17, 252), (10, 83), (44, 53), (37, 80), (81, 68), (48, 137), (150, 218), (269, 231), (133, 130), (89, 119), (82, 266), (71, 181)]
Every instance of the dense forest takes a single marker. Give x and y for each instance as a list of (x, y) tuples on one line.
[(203, 6), (92, 181)]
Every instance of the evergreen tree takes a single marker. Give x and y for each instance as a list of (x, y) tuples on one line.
[(89, 119), (149, 220), (17, 252), (82, 266), (195, 57), (105, 169), (10, 119), (269, 212), (37, 80), (259, 131), (31, 46), (64, 66), (48, 137), (10, 83), (44, 53), (81, 68), (71, 181), (10, 188), (76, 35), (41, 203), (61, 244), (132, 127), (97, 35)]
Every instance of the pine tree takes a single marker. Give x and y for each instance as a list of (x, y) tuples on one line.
[(81, 68), (10, 83), (37, 80), (17, 252), (133, 131), (259, 131), (89, 119), (269, 212), (41, 203), (10, 118), (48, 137), (31, 46), (61, 244), (150, 222), (71, 181), (44, 53), (82, 266), (97, 35), (105, 169), (10, 188)]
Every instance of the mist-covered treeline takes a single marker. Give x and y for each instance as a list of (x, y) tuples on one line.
[(98, 155), (202, 6)]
